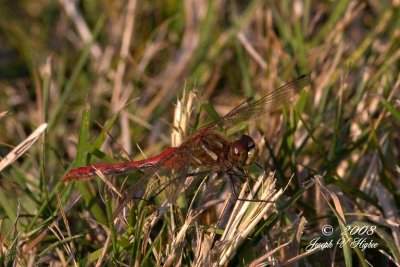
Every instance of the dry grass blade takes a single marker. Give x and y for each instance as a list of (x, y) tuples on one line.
[(83, 29), (293, 250), (390, 211), (124, 53), (393, 260), (333, 196), (246, 215), (250, 49), (174, 256), (301, 256), (205, 241), (107, 181), (104, 250), (19, 150), (261, 260), (194, 12), (3, 114), (182, 112), (376, 219)]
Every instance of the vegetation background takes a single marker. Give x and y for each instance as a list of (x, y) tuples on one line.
[(106, 76)]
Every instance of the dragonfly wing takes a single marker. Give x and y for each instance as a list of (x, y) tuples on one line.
[(156, 179), (249, 110)]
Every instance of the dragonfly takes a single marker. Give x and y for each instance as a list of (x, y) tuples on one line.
[(206, 148)]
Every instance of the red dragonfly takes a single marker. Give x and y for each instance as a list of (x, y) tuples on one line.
[(205, 148)]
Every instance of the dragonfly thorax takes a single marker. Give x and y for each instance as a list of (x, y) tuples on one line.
[(243, 151)]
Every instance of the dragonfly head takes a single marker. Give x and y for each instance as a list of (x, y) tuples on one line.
[(243, 151)]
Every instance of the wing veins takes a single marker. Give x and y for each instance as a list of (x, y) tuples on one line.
[(268, 103), (129, 193)]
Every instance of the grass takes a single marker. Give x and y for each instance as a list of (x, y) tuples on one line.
[(106, 82)]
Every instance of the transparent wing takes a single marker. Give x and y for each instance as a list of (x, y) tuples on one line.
[(250, 110), (150, 182)]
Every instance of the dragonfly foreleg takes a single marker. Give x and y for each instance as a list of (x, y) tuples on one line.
[(234, 173)]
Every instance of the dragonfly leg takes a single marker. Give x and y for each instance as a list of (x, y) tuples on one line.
[(232, 174), (171, 181)]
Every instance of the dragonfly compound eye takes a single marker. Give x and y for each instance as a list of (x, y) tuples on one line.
[(243, 151)]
